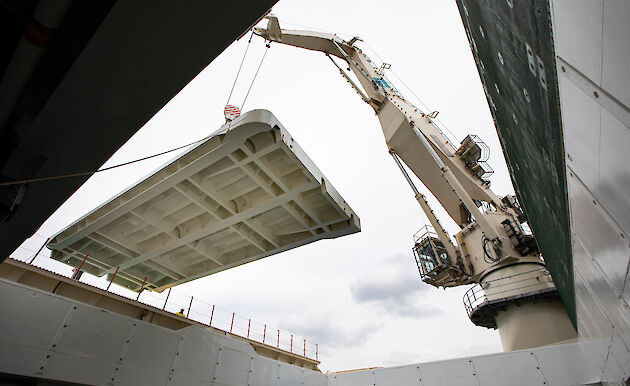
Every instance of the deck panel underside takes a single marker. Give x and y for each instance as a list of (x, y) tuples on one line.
[(244, 194)]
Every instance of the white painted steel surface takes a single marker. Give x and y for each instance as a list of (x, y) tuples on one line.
[(565, 364), (246, 193), (593, 62), (47, 336)]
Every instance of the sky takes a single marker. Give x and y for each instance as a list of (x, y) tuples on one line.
[(359, 297)]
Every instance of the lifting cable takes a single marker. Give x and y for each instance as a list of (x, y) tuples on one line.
[(240, 67), (50, 178), (256, 74), (20, 182), (414, 94)]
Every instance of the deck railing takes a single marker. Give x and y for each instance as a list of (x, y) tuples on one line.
[(504, 287), (194, 308)]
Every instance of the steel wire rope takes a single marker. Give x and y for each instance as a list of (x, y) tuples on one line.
[(240, 67), (19, 182), (412, 92), (382, 61), (425, 106), (50, 178), (393, 72), (23, 260), (256, 74)]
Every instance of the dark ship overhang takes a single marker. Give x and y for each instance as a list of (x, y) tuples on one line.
[(80, 78)]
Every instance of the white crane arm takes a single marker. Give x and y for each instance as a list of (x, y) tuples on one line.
[(398, 119), (488, 241)]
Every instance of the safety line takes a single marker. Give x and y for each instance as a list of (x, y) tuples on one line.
[(19, 182), (412, 93), (239, 67), (255, 75)]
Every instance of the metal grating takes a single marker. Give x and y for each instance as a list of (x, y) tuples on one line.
[(246, 193)]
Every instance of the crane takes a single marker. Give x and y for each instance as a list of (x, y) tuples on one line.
[(492, 249)]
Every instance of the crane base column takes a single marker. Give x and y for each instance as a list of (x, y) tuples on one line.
[(534, 323), (522, 302)]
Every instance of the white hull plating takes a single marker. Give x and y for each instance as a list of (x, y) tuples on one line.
[(51, 337), (594, 80)]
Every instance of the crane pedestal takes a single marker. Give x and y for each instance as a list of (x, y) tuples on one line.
[(534, 323), (522, 302)]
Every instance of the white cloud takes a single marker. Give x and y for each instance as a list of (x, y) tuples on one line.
[(407, 357), (395, 288), (322, 328)]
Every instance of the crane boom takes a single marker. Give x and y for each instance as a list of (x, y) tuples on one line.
[(455, 176), (398, 117), (492, 248)]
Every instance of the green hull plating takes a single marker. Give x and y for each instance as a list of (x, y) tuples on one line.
[(514, 50)]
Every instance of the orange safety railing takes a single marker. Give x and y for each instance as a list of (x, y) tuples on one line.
[(179, 303)]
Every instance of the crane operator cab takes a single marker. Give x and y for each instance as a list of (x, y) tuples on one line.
[(432, 257)]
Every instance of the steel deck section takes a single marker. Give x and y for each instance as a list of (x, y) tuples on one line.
[(247, 192)]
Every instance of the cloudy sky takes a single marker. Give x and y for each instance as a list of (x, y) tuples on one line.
[(359, 297)]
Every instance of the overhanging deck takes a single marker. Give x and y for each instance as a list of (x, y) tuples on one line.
[(246, 193)]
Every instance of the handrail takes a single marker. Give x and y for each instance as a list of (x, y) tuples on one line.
[(424, 231), (476, 296), (194, 309), (485, 150)]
